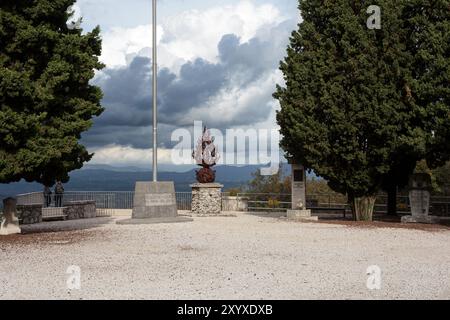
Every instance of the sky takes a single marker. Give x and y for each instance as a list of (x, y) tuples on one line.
[(217, 63)]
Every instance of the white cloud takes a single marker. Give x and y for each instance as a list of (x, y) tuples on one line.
[(195, 33), (118, 43), (126, 155), (77, 14), (190, 34)]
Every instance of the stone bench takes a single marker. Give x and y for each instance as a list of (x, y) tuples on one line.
[(72, 210)]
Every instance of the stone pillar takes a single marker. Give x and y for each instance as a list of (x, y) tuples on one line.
[(299, 211), (206, 199), (419, 199), (10, 223)]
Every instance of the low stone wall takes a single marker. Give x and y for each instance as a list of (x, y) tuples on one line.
[(230, 203), (72, 210), (80, 210), (29, 214)]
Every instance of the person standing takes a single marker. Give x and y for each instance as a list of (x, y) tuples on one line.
[(59, 191), (47, 196)]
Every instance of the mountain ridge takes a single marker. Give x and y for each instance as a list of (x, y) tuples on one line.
[(110, 178)]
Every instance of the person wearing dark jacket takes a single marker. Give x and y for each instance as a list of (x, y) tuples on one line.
[(47, 196), (59, 191)]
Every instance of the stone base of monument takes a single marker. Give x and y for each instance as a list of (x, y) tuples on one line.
[(421, 219), (300, 215), (154, 202), (206, 199), (9, 223)]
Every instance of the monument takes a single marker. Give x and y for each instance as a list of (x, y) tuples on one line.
[(419, 199), (298, 185), (10, 223), (154, 202), (206, 194)]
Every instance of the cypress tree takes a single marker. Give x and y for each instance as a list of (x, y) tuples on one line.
[(45, 96), (352, 108)]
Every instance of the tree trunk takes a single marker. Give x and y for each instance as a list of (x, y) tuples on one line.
[(392, 201), (362, 208)]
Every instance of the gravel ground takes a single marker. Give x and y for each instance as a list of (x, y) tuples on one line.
[(241, 257)]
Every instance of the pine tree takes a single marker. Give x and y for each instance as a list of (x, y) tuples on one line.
[(45, 96), (351, 109)]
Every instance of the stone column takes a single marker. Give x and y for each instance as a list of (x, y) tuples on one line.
[(299, 211), (206, 199), (9, 223)]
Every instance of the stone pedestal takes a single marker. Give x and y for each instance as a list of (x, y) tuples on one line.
[(10, 223), (421, 219), (298, 179), (154, 202), (206, 199), (299, 215), (419, 199)]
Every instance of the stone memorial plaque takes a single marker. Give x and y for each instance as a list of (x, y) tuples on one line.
[(159, 199), (420, 199), (298, 186), (154, 200), (420, 202)]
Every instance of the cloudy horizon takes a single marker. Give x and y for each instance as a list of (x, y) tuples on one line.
[(218, 63)]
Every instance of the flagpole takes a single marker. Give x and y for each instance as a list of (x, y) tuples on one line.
[(155, 101)]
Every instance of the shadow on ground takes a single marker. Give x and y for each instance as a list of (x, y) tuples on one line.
[(69, 225), (379, 221)]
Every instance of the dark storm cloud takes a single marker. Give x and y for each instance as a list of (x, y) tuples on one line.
[(127, 91), (138, 137), (197, 82)]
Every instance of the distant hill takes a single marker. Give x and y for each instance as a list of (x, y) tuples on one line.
[(109, 178)]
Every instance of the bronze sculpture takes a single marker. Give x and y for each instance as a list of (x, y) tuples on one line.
[(206, 155)]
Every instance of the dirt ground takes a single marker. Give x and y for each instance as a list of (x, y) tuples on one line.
[(237, 257)]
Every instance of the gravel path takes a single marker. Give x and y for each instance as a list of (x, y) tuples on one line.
[(242, 257)]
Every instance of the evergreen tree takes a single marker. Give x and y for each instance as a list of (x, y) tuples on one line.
[(426, 29), (426, 24), (45, 96), (355, 108)]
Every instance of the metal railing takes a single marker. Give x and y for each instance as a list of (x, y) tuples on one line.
[(440, 205), (107, 202), (184, 200), (30, 198), (266, 201), (282, 202)]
